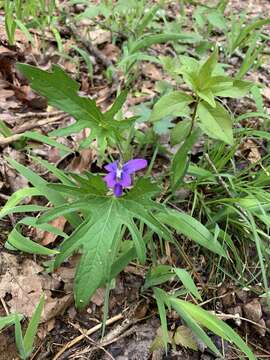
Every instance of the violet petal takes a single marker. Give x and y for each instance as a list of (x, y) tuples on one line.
[(134, 165), (125, 179), (118, 190), (112, 166), (110, 179)]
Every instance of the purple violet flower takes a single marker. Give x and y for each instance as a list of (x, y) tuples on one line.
[(119, 176)]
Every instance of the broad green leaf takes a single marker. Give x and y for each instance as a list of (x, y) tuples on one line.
[(98, 236), (207, 68), (215, 122), (213, 323), (207, 96), (219, 83), (192, 229), (188, 282), (172, 104), (32, 327), (217, 19), (180, 131), (238, 89)]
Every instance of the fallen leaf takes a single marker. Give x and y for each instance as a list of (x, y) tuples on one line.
[(151, 71), (24, 282), (253, 310), (184, 336), (251, 148), (100, 36), (111, 51), (49, 237)]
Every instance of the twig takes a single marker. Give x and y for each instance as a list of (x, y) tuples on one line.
[(4, 305), (91, 48), (19, 132), (88, 332), (40, 115), (237, 317), (220, 180)]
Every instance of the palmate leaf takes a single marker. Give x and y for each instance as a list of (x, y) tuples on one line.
[(62, 92), (98, 236)]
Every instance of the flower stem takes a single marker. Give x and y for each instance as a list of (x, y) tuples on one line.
[(193, 117)]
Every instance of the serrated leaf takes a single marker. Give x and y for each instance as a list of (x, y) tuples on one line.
[(62, 93), (98, 236), (172, 104), (215, 122)]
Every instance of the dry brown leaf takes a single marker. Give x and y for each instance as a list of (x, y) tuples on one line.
[(100, 36), (81, 163), (253, 310), (98, 297), (111, 51), (184, 336), (25, 282), (251, 148), (151, 71), (49, 237)]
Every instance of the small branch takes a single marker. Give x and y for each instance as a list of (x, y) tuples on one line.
[(92, 49), (19, 132), (88, 333), (220, 180), (193, 117)]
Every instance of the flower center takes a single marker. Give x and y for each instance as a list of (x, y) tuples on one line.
[(119, 174)]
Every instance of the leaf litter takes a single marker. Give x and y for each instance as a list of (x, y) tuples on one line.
[(22, 278)]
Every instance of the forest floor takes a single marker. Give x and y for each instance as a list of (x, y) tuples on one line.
[(133, 317)]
